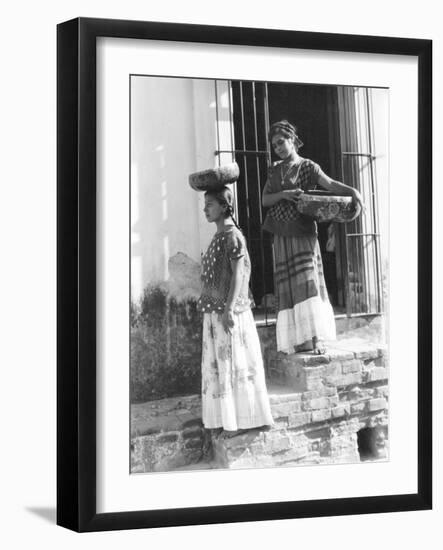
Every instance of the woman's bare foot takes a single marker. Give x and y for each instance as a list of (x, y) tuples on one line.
[(318, 346), (306, 346)]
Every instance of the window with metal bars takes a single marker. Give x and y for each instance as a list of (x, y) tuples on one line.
[(362, 236), (335, 125)]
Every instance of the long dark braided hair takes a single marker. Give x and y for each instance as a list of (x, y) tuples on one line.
[(225, 197)]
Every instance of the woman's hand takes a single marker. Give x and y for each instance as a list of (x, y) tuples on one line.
[(228, 320), (292, 195), (357, 199)]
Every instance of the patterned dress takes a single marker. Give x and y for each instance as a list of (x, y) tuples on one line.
[(303, 306), (234, 394)]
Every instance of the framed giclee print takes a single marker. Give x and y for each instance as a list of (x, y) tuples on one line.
[(244, 274)]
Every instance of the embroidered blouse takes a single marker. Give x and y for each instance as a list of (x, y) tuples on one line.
[(216, 272), (283, 217)]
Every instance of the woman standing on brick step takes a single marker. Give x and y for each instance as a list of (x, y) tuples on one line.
[(305, 316), (234, 394)]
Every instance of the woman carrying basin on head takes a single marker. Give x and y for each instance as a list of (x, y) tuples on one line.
[(234, 394)]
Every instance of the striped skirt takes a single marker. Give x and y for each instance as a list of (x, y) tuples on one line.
[(303, 306), (234, 394)]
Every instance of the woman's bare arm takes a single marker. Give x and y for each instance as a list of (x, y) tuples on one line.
[(339, 188)]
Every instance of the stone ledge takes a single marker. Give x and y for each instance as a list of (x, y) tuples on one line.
[(165, 415), (166, 434), (166, 451)]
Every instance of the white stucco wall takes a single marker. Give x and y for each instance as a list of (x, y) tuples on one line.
[(173, 133), (380, 126), (377, 141)]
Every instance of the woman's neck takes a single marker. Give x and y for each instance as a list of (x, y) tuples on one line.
[(293, 157), (223, 224)]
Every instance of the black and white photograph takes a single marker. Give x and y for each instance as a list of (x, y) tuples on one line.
[(259, 268), (220, 275)]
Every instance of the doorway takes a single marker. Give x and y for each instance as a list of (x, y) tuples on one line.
[(314, 110)]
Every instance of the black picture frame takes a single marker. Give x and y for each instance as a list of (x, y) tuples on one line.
[(76, 273)]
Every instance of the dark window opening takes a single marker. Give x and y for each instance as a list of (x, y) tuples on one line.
[(371, 443)]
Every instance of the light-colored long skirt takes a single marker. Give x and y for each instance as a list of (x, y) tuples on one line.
[(234, 394), (304, 310)]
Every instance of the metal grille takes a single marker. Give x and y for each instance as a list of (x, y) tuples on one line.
[(362, 237), (252, 153), (360, 253)]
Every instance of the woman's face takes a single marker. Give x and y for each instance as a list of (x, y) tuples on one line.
[(213, 210), (282, 145)]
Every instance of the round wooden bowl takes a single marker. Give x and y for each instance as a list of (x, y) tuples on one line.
[(328, 208), (214, 179)]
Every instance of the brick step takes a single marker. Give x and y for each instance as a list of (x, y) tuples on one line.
[(298, 409), (312, 427), (344, 364)]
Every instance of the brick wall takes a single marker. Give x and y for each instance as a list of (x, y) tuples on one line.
[(166, 434), (319, 403)]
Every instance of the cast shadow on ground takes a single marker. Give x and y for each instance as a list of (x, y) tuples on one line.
[(49, 514)]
